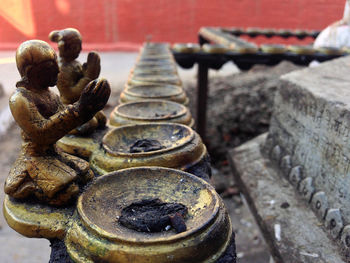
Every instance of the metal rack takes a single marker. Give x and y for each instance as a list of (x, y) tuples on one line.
[(245, 55)]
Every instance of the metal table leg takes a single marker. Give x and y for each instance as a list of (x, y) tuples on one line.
[(202, 96)]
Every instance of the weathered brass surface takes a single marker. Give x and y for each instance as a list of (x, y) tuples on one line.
[(214, 48), (301, 49), (96, 236), (186, 47), (155, 55), (183, 148), (244, 49), (73, 77), (82, 146), (151, 91), (41, 171), (155, 111), (37, 220), (155, 63), (156, 45), (154, 70), (229, 41), (93, 234), (90, 230), (330, 50), (145, 63), (160, 78), (155, 50), (273, 48), (171, 74)]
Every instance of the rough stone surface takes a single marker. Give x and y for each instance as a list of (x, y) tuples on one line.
[(311, 124), (291, 229), (239, 106)]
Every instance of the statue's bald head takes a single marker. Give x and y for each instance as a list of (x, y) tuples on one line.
[(69, 42), (68, 34), (31, 53)]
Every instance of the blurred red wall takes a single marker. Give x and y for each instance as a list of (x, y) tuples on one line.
[(124, 24)]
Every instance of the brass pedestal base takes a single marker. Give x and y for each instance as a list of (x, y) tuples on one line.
[(59, 252), (82, 146)]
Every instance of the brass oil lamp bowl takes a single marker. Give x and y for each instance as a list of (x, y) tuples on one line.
[(151, 91), (150, 111), (161, 77), (168, 69), (153, 62), (99, 207), (154, 54), (301, 49), (273, 48), (93, 232), (163, 144), (148, 71), (164, 59), (186, 47)]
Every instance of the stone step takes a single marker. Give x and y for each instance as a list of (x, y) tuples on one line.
[(290, 228)]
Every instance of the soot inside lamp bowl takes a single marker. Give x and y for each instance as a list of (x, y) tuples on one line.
[(153, 215), (145, 145), (143, 138)]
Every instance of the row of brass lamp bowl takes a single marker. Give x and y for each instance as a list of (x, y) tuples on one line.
[(153, 107), (153, 110), (91, 230)]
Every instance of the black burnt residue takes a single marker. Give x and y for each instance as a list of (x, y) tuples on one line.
[(153, 215), (145, 145)]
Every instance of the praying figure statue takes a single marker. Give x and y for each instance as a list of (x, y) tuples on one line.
[(73, 76), (41, 171)]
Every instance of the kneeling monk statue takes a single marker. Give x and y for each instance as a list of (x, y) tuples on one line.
[(41, 170), (73, 76)]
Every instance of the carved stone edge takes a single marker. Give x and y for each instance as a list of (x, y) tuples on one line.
[(331, 217)]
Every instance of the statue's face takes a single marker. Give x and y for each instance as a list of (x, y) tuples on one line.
[(44, 74), (70, 50)]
